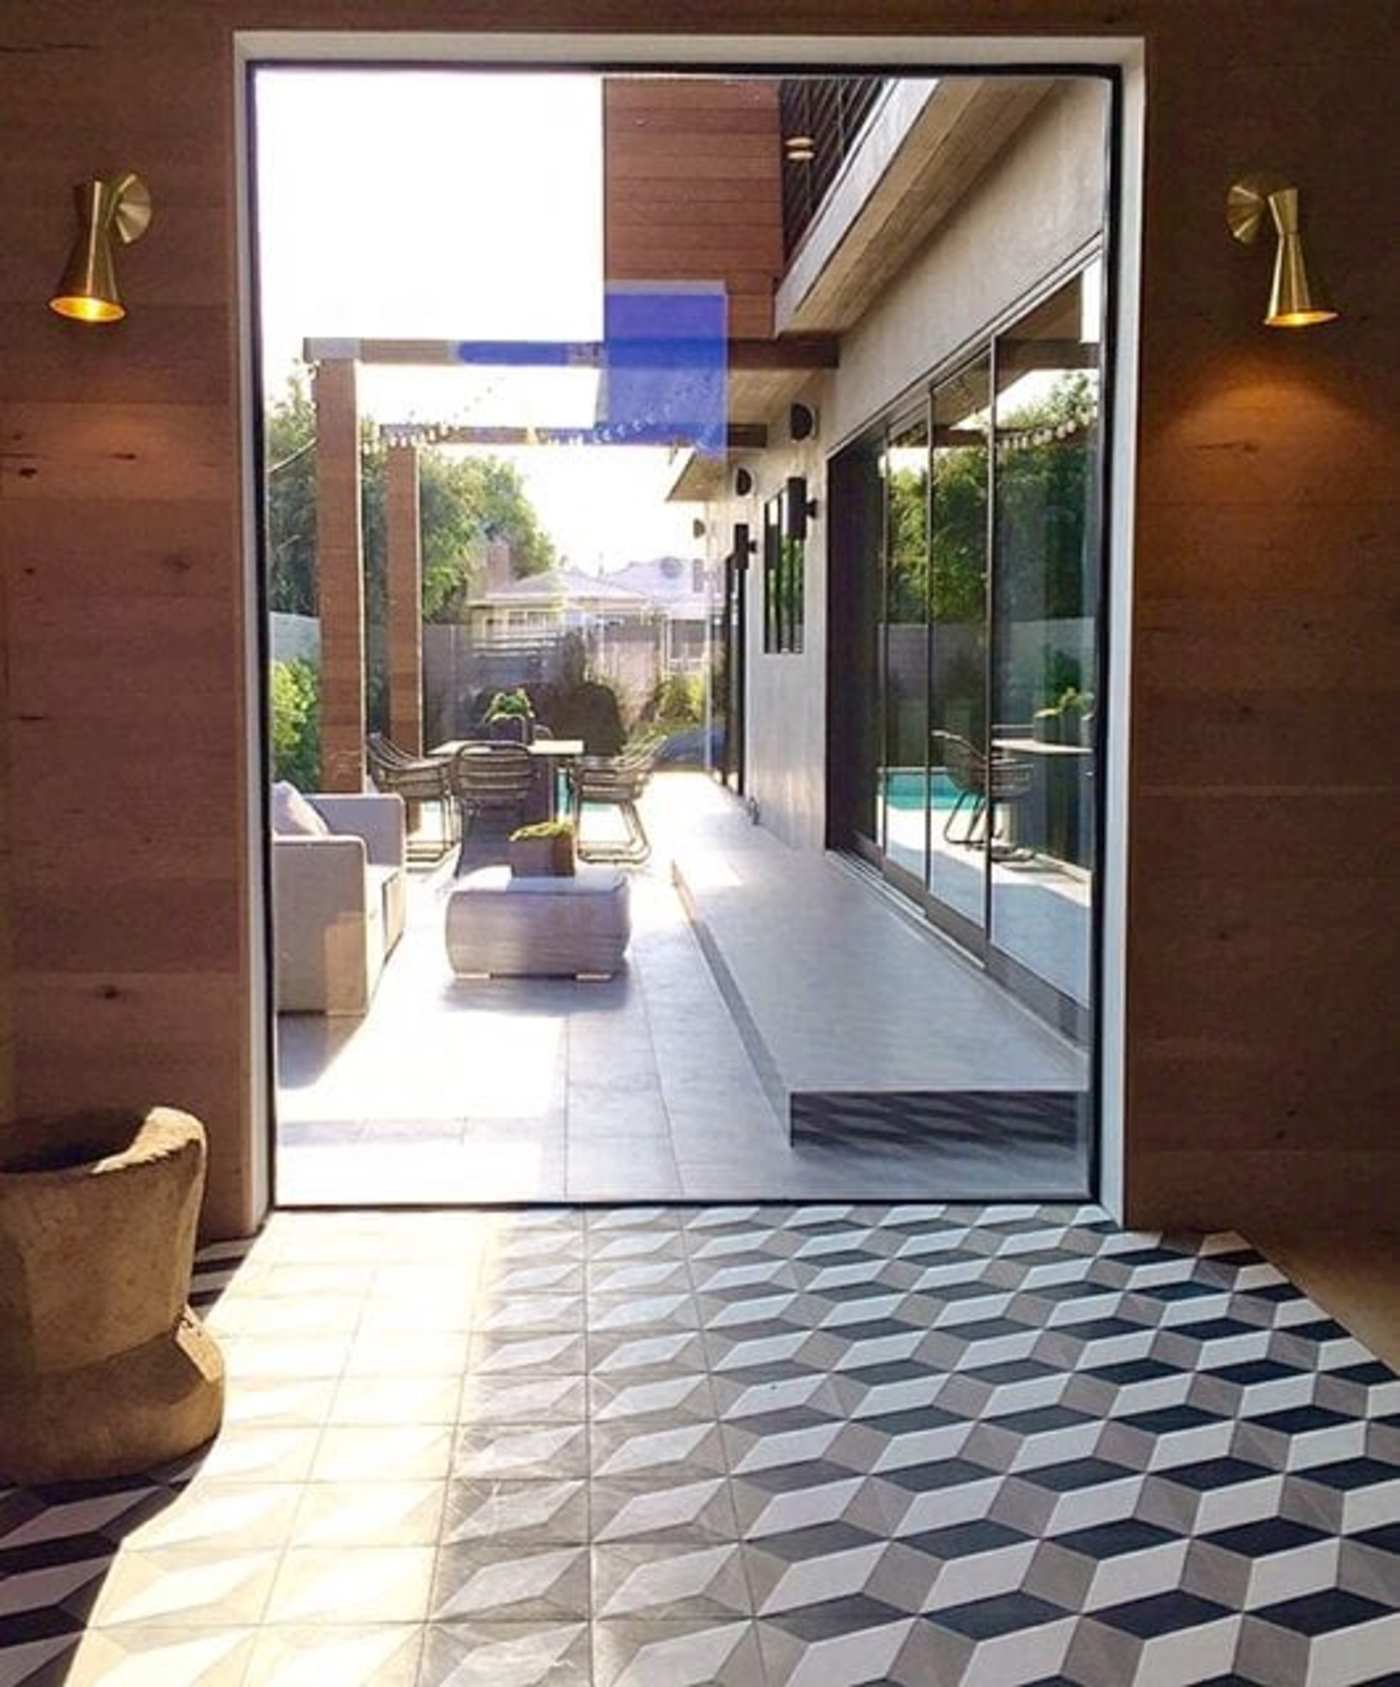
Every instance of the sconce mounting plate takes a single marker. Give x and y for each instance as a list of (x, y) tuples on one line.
[(132, 214), (1247, 204)]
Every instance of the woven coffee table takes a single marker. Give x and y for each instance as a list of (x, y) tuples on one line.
[(539, 928)]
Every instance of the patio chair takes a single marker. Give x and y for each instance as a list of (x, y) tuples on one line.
[(417, 779), (616, 782), (1006, 780), (490, 778)]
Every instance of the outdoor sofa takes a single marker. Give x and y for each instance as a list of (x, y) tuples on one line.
[(339, 889)]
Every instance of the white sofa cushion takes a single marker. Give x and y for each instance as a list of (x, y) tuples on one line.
[(293, 816)]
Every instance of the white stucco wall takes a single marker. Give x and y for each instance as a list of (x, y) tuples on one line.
[(1039, 204)]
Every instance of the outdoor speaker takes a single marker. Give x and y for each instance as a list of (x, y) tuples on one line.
[(743, 545), (802, 422), (697, 528), (743, 482)]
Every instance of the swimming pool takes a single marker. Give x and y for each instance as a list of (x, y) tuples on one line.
[(904, 789)]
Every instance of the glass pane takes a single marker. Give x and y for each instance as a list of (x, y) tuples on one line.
[(856, 498), (906, 647), (958, 667), (1045, 636)]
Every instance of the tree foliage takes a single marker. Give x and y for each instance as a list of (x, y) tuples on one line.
[(294, 696), (465, 501), (1045, 507)]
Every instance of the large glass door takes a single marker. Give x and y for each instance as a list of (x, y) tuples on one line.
[(1045, 636), (964, 636), (904, 650), (958, 526)]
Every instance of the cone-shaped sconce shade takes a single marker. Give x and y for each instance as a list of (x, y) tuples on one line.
[(1294, 301), (87, 289)]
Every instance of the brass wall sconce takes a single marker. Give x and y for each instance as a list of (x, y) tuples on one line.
[(1295, 300), (87, 289)]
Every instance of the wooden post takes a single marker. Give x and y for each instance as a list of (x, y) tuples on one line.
[(405, 582), (340, 577)]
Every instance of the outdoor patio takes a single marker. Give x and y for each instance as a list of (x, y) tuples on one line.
[(644, 1086)]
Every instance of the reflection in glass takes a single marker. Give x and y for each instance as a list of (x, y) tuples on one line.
[(905, 643), (1046, 549), (958, 667)]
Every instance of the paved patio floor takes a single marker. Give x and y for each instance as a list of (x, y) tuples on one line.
[(637, 1088)]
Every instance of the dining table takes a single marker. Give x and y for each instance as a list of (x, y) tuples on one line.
[(557, 753)]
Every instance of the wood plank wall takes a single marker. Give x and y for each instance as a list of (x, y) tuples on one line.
[(1265, 800), (693, 189)]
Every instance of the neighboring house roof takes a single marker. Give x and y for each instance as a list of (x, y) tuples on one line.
[(565, 585), (659, 577), (669, 581)]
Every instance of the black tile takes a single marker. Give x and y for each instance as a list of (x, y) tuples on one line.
[(943, 1473), (912, 1421), (1004, 1613), (792, 1478), (1322, 1613), (1250, 1371), (1073, 1474), (820, 1540), (1011, 1370), (1348, 1474), (1162, 1613), (835, 1617), (1039, 1420), (964, 1540), (1168, 1420), (1299, 1420), (1267, 1536), (1215, 1473), (1109, 1540), (1369, 1372), (1133, 1370), (1384, 1539)]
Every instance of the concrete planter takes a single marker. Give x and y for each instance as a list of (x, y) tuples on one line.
[(104, 1370)]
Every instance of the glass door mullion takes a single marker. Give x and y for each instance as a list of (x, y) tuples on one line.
[(989, 645)]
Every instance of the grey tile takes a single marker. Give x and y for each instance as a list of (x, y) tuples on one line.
[(526, 1653), (542, 1511)]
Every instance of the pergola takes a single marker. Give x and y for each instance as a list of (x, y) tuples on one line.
[(339, 535)]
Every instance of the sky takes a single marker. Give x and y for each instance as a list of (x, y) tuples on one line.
[(457, 205)]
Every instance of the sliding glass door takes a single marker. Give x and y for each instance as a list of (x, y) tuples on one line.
[(966, 559), (1046, 566), (904, 678), (954, 872)]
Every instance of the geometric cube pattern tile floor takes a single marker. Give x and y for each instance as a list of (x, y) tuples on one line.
[(810, 1445)]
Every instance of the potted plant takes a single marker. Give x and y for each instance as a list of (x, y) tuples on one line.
[(543, 851), (1077, 716), (511, 716)]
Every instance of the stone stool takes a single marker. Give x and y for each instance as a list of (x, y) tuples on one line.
[(546, 927), (104, 1370)]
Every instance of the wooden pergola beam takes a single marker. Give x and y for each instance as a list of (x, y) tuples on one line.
[(404, 569), (806, 351), (340, 578), (740, 436)]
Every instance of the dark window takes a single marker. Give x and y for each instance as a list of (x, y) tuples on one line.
[(784, 584)]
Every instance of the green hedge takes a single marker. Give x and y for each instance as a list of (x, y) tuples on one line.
[(295, 695)]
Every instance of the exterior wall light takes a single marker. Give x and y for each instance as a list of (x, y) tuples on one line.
[(800, 149), (1295, 300), (87, 289)]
